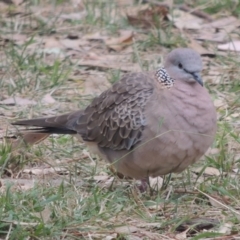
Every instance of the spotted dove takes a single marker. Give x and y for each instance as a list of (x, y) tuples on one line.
[(148, 123)]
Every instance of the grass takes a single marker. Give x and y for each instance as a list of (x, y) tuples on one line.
[(57, 189)]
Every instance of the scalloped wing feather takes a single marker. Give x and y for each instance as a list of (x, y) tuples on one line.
[(116, 118)]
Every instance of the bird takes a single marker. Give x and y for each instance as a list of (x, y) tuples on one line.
[(147, 124)]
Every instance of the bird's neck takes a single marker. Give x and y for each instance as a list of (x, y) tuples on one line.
[(164, 78)]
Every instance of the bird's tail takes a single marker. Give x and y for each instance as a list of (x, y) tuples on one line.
[(36, 130), (61, 124)]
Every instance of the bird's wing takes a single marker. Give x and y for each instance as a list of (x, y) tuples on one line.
[(116, 119)]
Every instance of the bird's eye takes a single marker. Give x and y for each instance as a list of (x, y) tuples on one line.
[(180, 65)]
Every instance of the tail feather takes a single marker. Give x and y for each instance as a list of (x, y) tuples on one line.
[(61, 124)]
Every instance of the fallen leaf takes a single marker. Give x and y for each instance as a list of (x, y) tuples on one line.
[(48, 99), (52, 42), (74, 16), (196, 12), (17, 2), (194, 44), (104, 181), (126, 229), (156, 183), (185, 20), (148, 15), (75, 44), (212, 35), (26, 138), (20, 183), (112, 237), (121, 3), (17, 101), (230, 46), (219, 30), (16, 38), (208, 171), (212, 151), (236, 170), (111, 65), (226, 228), (96, 36), (219, 103), (44, 171), (118, 43), (222, 22), (27, 185), (215, 203), (182, 235)]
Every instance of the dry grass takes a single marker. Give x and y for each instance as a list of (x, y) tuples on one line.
[(57, 56)]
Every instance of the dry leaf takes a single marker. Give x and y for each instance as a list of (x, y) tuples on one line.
[(132, 237), (74, 16), (215, 203), (222, 22), (219, 30), (185, 20), (219, 103), (121, 3), (156, 183), (95, 36), (118, 43), (52, 42), (26, 184), (212, 35), (17, 2), (104, 181), (17, 101), (101, 178), (226, 228), (145, 15), (75, 44), (126, 229), (16, 38), (236, 170), (194, 44), (48, 99), (44, 171), (111, 65), (212, 151), (230, 46), (19, 184), (208, 171), (26, 138), (195, 12), (29, 184), (112, 237), (182, 235)]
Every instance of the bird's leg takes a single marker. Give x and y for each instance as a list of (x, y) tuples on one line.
[(166, 180), (144, 185)]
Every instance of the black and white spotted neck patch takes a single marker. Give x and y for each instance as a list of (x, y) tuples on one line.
[(164, 78)]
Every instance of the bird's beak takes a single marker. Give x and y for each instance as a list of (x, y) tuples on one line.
[(198, 78)]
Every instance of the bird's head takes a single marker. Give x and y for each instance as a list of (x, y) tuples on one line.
[(184, 64)]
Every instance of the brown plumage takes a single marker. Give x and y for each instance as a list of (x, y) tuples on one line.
[(147, 124)]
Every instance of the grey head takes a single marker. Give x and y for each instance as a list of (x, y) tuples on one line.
[(184, 64)]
